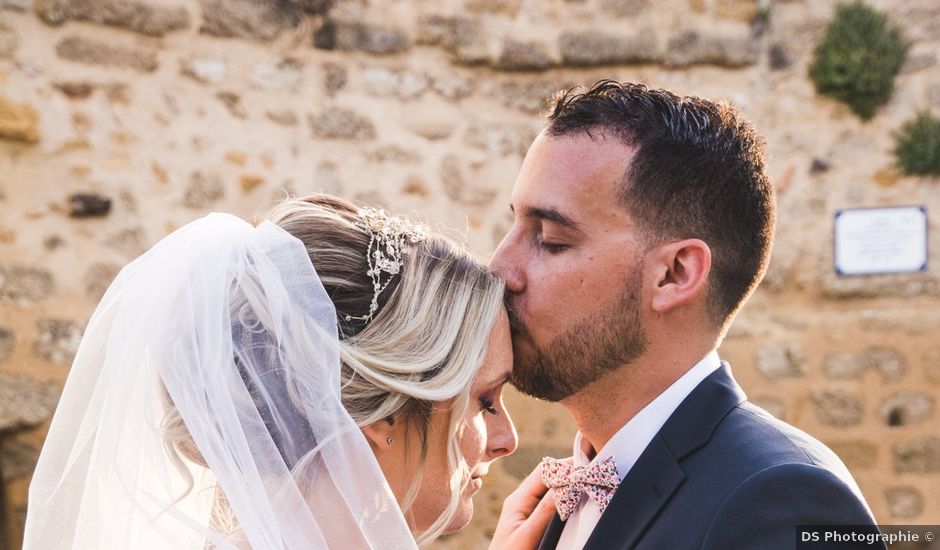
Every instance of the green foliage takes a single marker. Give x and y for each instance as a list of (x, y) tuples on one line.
[(918, 146), (857, 60)]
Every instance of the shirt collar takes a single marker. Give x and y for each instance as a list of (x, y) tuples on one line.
[(630, 441)]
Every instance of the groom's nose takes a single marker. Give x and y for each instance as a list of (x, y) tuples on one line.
[(506, 264)]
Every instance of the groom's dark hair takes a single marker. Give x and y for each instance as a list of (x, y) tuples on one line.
[(697, 172)]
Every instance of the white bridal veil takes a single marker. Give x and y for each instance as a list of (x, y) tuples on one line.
[(229, 325)]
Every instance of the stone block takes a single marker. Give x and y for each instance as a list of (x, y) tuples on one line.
[(501, 139), (24, 403), (457, 188), (131, 242), (523, 56), (335, 78), (75, 89), (738, 10), (148, 18), (7, 341), (204, 189), (903, 285), (382, 82), (52, 12), (904, 502), (852, 365), (393, 153), (932, 364), (889, 362), (781, 361), (838, 408), (624, 8), (341, 123), (248, 19), (732, 49), (284, 75), (9, 40), (24, 284), (318, 7), (921, 456), (358, 36), (591, 48), (465, 38), (98, 278), (530, 96), (856, 454), (17, 459), (207, 70), (906, 407), (284, 117), (89, 205), (96, 52), (17, 5), (18, 121), (779, 58), (250, 182), (58, 340), (452, 87)]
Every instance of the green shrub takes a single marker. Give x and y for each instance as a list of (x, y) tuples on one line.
[(858, 58), (918, 147)]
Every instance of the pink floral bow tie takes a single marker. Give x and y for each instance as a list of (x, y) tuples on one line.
[(598, 480)]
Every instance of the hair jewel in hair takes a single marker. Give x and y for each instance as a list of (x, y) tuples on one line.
[(387, 244)]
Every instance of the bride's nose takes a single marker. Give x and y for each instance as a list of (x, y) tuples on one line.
[(502, 439)]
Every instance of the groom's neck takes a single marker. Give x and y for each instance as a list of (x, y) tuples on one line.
[(604, 406)]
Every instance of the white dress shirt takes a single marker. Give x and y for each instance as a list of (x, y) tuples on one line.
[(628, 444)]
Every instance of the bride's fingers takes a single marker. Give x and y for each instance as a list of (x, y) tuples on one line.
[(525, 533), (528, 495), (539, 518)]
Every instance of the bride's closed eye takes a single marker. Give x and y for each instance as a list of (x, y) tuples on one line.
[(489, 405)]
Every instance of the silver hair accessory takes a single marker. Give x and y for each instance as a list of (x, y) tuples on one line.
[(389, 235)]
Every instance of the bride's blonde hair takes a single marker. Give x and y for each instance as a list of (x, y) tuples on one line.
[(424, 346)]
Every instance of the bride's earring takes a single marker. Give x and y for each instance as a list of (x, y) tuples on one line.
[(388, 440)]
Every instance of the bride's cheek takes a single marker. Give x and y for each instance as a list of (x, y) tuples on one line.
[(476, 438)]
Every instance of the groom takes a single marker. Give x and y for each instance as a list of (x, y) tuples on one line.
[(643, 221)]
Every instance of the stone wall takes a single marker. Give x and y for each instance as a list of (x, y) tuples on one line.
[(121, 120)]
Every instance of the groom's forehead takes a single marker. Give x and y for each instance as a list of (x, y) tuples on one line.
[(564, 174)]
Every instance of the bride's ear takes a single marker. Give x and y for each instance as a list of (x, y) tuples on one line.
[(380, 434)]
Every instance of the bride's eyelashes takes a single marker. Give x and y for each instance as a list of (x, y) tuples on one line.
[(489, 405)]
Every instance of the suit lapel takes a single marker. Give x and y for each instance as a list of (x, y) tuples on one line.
[(657, 474), (552, 533), (647, 487)]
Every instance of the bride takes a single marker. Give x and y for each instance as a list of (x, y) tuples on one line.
[(329, 378)]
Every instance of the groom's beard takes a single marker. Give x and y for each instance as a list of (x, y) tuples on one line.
[(609, 338)]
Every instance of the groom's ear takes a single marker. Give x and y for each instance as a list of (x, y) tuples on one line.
[(380, 434), (681, 269)]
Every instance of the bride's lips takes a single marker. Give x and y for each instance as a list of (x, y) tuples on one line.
[(476, 481)]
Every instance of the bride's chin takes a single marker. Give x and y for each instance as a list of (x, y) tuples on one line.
[(461, 519)]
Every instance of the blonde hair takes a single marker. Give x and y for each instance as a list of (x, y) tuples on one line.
[(424, 346)]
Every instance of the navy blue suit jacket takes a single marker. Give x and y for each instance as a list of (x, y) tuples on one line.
[(724, 474)]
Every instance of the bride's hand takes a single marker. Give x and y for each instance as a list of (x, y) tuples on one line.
[(526, 513)]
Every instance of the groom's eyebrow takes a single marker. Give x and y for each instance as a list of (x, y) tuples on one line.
[(549, 214)]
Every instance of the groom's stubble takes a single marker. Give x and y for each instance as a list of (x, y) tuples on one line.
[(603, 341)]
